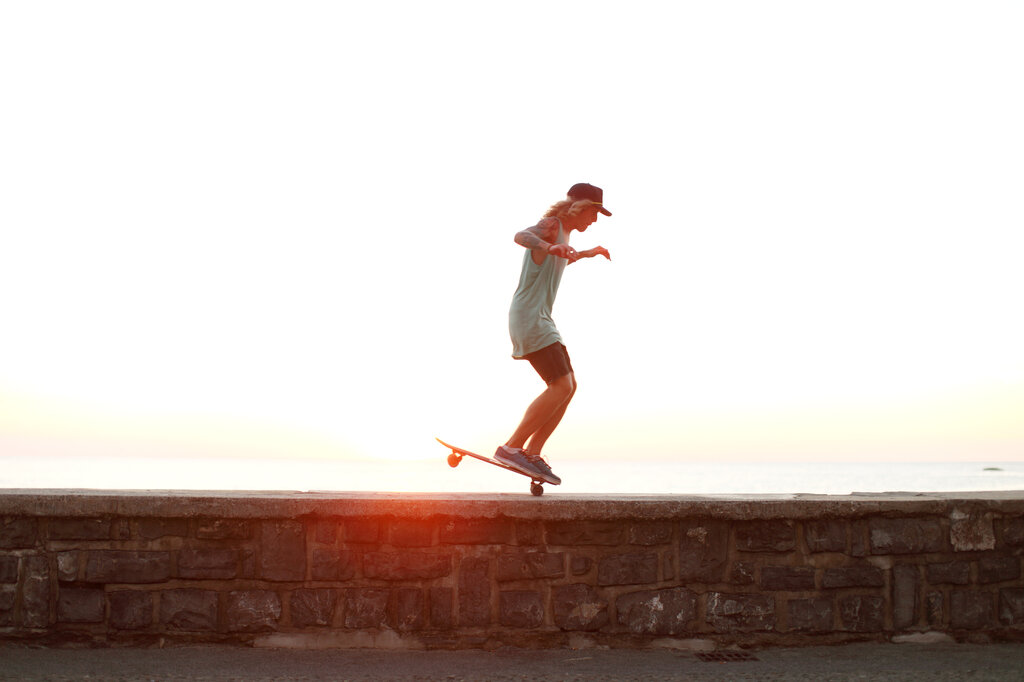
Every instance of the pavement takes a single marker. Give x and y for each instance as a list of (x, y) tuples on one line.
[(946, 661)]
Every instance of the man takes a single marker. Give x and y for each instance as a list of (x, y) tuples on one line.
[(534, 335)]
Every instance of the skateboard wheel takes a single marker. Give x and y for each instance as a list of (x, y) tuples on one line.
[(536, 489), (453, 460)]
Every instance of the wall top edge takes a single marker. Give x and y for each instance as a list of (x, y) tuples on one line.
[(552, 506)]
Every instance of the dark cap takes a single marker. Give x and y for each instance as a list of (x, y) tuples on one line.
[(583, 190)]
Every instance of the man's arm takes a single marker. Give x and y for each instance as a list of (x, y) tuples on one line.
[(540, 240)]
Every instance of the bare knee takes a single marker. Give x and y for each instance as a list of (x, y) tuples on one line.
[(564, 386)]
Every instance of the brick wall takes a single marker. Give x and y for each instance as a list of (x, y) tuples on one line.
[(485, 571)]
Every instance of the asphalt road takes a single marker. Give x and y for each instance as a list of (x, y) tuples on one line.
[(996, 662)]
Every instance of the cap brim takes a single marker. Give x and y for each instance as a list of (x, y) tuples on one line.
[(604, 210)]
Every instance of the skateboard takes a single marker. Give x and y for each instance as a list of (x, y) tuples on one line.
[(455, 458)]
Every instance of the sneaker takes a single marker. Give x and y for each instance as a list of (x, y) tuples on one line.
[(545, 470), (515, 458)]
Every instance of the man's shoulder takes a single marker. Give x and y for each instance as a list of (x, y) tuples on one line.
[(548, 225)]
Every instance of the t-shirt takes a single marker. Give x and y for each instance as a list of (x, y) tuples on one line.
[(529, 318)]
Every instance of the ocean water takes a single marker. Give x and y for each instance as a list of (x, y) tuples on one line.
[(435, 476)]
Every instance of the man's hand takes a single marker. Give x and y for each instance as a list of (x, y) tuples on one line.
[(564, 251), (589, 253), (596, 251)]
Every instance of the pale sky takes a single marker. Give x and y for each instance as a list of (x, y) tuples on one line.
[(285, 228)]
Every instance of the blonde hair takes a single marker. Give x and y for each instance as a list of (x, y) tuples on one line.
[(567, 207)]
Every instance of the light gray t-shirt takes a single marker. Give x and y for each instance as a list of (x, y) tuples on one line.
[(529, 319)]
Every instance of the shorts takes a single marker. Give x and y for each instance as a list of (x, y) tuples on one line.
[(551, 362)]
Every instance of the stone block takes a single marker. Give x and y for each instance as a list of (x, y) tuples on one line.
[(628, 569), (151, 529), (477, 532), (223, 529), (406, 565), (208, 563), (442, 601), (407, 609), (529, 533), (282, 550), (906, 536), (997, 569), (853, 576), (580, 565), (81, 605), (765, 536), (1011, 531), (8, 568), (311, 607), (520, 609), (810, 615), (362, 531), (787, 578), (530, 566), (703, 550), (578, 607), (125, 566), (474, 592), (859, 534), (366, 607), (120, 529), (247, 563), (252, 610), (325, 531), (189, 609), (1011, 606), (130, 609), (740, 612), (67, 566), (576, 533), (333, 564), (657, 612), (951, 572), (650, 533), (78, 529), (970, 610), (35, 592), (742, 573), (6, 605), (668, 566), (411, 533), (934, 609), (825, 536), (18, 533), (905, 581), (971, 531), (860, 613)]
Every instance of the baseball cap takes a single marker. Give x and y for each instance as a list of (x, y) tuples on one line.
[(584, 190)]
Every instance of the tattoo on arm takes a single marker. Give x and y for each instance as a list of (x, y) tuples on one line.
[(533, 237), (531, 241)]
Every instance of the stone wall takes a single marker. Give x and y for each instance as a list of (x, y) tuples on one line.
[(314, 570)]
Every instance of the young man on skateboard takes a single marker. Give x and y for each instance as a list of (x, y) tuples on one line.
[(533, 332)]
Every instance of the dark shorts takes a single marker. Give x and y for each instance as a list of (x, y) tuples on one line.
[(551, 362)]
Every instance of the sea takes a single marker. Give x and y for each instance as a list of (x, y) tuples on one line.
[(436, 476)]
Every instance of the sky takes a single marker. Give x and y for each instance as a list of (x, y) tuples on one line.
[(284, 229)]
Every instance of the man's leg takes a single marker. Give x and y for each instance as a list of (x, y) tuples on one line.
[(544, 413), (541, 435)]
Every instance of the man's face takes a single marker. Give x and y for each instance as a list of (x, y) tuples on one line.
[(587, 217)]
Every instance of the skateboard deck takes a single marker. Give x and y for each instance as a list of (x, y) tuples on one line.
[(455, 458)]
